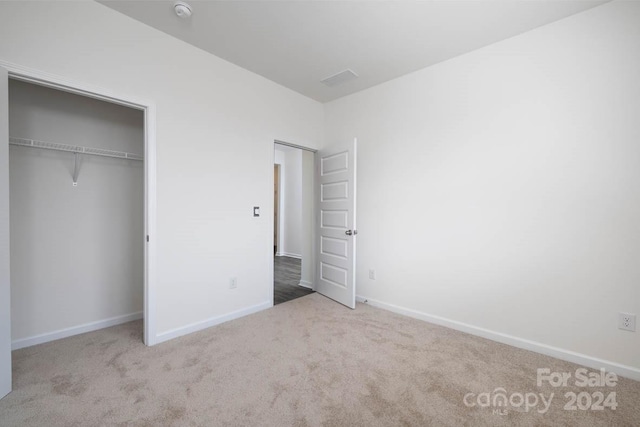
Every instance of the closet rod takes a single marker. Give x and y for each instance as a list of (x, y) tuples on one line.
[(73, 148)]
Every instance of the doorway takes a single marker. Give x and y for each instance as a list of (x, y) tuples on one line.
[(294, 262)]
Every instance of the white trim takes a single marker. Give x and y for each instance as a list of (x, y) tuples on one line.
[(306, 284), (300, 147), (74, 330), (558, 353), (213, 321), (73, 86), (54, 81), (150, 336), (290, 255)]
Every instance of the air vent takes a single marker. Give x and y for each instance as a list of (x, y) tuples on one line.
[(341, 77)]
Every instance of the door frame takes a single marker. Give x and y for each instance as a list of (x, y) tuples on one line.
[(313, 236), (29, 75), (277, 173)]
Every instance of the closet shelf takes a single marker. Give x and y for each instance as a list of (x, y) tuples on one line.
[(73, 149)]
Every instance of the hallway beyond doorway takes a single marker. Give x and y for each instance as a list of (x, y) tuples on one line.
[(286, 280)]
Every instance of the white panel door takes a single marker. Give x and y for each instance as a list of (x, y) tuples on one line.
[(5, 295), (336, 224)]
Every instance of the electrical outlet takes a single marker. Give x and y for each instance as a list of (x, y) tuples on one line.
[(233, 283), (627, 322), (372, 274)]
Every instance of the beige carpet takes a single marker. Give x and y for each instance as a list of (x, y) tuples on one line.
[(307, 362)]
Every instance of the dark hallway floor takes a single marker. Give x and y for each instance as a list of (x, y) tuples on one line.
[(286, 279)]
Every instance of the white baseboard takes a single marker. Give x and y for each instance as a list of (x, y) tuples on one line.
[(74, 330), (207, 323), (306, 284), (289, 254), (559, 353)]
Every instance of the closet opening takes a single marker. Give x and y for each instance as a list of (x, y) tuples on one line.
[(78, 213)]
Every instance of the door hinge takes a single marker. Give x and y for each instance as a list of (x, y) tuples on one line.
[(147, 238)]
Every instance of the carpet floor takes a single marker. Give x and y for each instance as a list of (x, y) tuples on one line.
[(307, 362)]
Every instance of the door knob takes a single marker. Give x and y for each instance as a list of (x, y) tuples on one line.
[(351, 233)]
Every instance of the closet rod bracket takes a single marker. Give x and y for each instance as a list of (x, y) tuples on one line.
[(76, 169)]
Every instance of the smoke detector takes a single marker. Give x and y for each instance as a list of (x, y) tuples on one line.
[(182, 9)]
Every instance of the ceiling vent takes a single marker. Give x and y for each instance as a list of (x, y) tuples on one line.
[(341, 77)]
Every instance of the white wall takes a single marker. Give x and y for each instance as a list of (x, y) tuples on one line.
[(290, 161), (501, 189), (207, 123), (307, 273), (76, 252), (5, 304), (292, 201), (279, 159)]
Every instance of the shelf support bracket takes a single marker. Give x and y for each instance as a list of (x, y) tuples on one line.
[(76, 169)]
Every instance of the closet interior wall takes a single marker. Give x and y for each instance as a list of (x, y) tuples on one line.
[(77, 254)]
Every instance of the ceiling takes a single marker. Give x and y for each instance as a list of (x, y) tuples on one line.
[(297, 43)]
